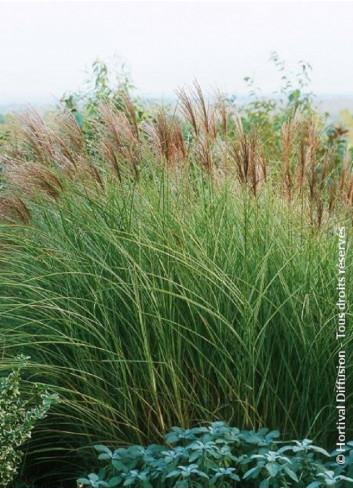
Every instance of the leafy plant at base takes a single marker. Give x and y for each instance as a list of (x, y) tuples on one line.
[(18, 417), (218, 456)]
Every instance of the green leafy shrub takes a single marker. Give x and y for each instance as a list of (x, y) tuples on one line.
[(219, 456), (18, 416)]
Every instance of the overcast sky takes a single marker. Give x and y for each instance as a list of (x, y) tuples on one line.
[(47, 46)]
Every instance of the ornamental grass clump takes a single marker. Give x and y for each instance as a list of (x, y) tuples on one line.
[(174, 267)]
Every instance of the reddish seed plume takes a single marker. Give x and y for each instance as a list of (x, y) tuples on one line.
[(41, 154)]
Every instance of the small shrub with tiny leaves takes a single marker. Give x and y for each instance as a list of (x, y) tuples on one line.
[(221, 456), (18, 416)]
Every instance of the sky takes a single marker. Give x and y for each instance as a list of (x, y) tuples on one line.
[(47, 46)]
